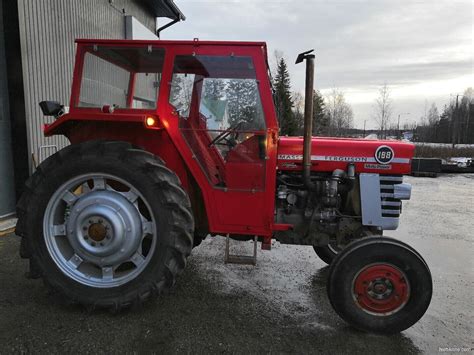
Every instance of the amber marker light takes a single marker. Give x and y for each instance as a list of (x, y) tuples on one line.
[(150, 122)]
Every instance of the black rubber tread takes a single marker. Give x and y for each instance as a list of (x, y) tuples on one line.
[(199, 237), (325, 254), (154, 180), (363, 252)]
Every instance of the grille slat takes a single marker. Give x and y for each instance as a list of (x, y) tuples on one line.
[(391, 207), (391, 203), (393, 179)]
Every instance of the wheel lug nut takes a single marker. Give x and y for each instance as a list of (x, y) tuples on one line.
[(100, 221), (86, 237), (93, 244)]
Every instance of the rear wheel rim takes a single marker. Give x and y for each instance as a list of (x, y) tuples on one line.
[(99, 230), (381, 289)]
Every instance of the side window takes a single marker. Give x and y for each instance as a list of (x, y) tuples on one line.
[(103, 83), (127, 77), (226, 103), (146, 90), (221, 118), (181, 93)]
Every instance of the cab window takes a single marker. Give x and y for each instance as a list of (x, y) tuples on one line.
[(221, 117), (127, 77)]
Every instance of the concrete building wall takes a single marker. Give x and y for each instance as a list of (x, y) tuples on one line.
[(48, 29), (7, 189)]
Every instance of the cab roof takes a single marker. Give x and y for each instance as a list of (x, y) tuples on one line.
[(194, 42), (171, 42)]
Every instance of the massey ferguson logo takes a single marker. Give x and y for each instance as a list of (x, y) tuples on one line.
[(384, 154)]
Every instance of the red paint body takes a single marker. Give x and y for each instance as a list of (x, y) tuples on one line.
[(231, 209), (335, 153)]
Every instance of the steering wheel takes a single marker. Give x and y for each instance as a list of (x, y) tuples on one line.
[(225, 135)]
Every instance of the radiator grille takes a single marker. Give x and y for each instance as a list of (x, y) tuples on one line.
[(391, 207)]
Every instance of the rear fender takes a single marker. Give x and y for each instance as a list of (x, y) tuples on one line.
[(131, 128)]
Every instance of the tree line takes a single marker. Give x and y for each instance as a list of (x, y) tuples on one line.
[(454, 125), (332, 115)]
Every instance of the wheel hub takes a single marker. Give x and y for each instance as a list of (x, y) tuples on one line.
[(381, 289), (104, 228), (97, 231)]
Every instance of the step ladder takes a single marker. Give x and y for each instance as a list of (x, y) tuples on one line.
[(240, 259)]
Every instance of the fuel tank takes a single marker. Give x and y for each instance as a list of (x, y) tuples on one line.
[(328, 153)]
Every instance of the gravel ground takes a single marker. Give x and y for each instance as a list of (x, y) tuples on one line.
[(278, 306)]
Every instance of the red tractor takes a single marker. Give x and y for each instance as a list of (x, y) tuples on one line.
[(174, 140)]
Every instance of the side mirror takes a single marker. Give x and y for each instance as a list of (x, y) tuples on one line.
[(51, 108)]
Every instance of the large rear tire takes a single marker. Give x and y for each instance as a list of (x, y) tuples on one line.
[(105, 225), (380, 285)]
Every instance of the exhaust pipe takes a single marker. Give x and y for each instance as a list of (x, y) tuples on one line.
[(308, 115)]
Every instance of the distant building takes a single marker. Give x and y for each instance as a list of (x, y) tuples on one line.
[(216, 113), (408, 136), (36, 63)]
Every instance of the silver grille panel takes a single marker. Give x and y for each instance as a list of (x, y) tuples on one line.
[(381, 197)]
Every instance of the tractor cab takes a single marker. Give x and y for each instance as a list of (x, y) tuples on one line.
[(207, 110)]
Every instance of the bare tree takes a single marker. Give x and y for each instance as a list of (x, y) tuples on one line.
[(339, 112), (433, 115), (467, 102), (383, 109), (298, 111), (424, 121)]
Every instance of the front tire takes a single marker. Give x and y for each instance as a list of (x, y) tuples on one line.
[(328, 252), (379, 285), (105, 225)]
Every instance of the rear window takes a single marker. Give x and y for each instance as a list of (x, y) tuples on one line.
[(124, 77)]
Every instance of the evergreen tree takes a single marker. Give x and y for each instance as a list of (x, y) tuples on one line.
[(320, 118), (283, 101), (214, 89), (243, 103)]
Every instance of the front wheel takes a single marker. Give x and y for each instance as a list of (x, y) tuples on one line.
[(328, 252), (380, 285), (106, 225)]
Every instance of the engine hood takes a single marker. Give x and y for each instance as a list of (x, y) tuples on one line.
[(328, 154)]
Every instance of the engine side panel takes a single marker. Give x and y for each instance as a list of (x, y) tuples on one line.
[(328, 154)]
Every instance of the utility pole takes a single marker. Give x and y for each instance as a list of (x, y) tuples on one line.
[(365, 121), (455, 123)]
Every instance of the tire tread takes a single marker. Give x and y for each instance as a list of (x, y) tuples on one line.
[(177, 200)]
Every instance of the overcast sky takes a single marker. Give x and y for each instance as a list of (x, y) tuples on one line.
[(422, 49)]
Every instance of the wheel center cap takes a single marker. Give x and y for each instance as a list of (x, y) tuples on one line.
[(97, 232), (104, 228), (380, 288)]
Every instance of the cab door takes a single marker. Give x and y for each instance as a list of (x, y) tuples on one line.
[(215, 94)]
